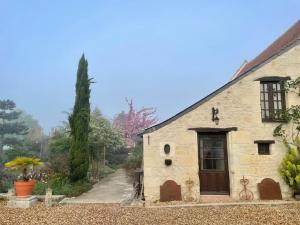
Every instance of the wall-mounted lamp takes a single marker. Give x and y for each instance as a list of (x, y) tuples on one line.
[(215, 118)]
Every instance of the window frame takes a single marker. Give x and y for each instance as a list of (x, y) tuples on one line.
[(268, 104), (264, 142), (261, 151)]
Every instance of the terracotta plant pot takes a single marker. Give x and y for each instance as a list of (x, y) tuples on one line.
[(24, 188)]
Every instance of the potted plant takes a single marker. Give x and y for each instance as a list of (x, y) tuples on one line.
[(26, 180)]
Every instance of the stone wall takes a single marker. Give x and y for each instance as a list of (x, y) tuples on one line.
[(239, 106)]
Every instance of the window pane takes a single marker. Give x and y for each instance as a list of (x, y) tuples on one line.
[(212, 147), (263, 114), (212, 164), (266, 95), (263, 148), (278, 87), (265, 87)]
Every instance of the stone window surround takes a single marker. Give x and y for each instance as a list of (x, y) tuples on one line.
[(264, 142)]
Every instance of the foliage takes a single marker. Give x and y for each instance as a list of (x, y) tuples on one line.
[(290, 169), (10, 127), (34, 140), (290, 115), (106, 170), (293, 86), (290, 137), (21, 162), (290, 165), (105, 143), (133, 122), (6, 180), (61, 185), (59, 146), (25, 165), (13, 153), (117, 157), (136, 158), (103, 132), (79, 124)]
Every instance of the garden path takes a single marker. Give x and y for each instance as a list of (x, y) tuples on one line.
[(114, 188)]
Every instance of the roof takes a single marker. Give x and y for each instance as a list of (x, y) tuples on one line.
[(289, 37), (282, 43)]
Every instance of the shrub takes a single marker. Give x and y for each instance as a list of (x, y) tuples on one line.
[(116, 157), (60, 163), (26, 166), (61, 185), (135, 158), (6, 180), (290, 169), (105, 170)]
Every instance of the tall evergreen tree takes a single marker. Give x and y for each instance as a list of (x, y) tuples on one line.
[(79, 124), (10, 127)]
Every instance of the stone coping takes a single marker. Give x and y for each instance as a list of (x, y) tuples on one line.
[(224, 204), (53, 197), (39, 197), (88, 201)]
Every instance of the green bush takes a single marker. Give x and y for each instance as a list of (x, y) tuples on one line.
[(290, 169), (6, 179), (106, 170), (61, 185), (135, 158), (116, 157)]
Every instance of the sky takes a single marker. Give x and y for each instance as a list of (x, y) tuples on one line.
[(165, 54)]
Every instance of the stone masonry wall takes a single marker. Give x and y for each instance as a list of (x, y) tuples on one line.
[(239, 106)]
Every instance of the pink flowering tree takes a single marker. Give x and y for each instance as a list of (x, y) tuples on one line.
[(134, 121)]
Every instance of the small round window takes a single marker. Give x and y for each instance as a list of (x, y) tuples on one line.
[(167, 149)]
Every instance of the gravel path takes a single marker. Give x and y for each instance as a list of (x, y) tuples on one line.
[(114, 188), (114, 215)]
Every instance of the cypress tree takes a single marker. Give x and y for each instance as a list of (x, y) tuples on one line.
[(79, 124)]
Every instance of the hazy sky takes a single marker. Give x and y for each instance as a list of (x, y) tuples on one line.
[(164, 54)]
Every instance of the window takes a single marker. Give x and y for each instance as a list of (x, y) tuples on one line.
[(272, 100), (212, 152), (263, 148)]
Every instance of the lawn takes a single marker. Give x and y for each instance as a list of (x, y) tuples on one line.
[(109, 214)]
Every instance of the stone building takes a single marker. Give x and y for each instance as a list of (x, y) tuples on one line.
[(208, 147)]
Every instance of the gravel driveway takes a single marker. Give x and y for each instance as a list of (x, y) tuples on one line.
[(114, 215)]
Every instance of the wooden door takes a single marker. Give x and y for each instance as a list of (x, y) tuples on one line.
[(213, 163)]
